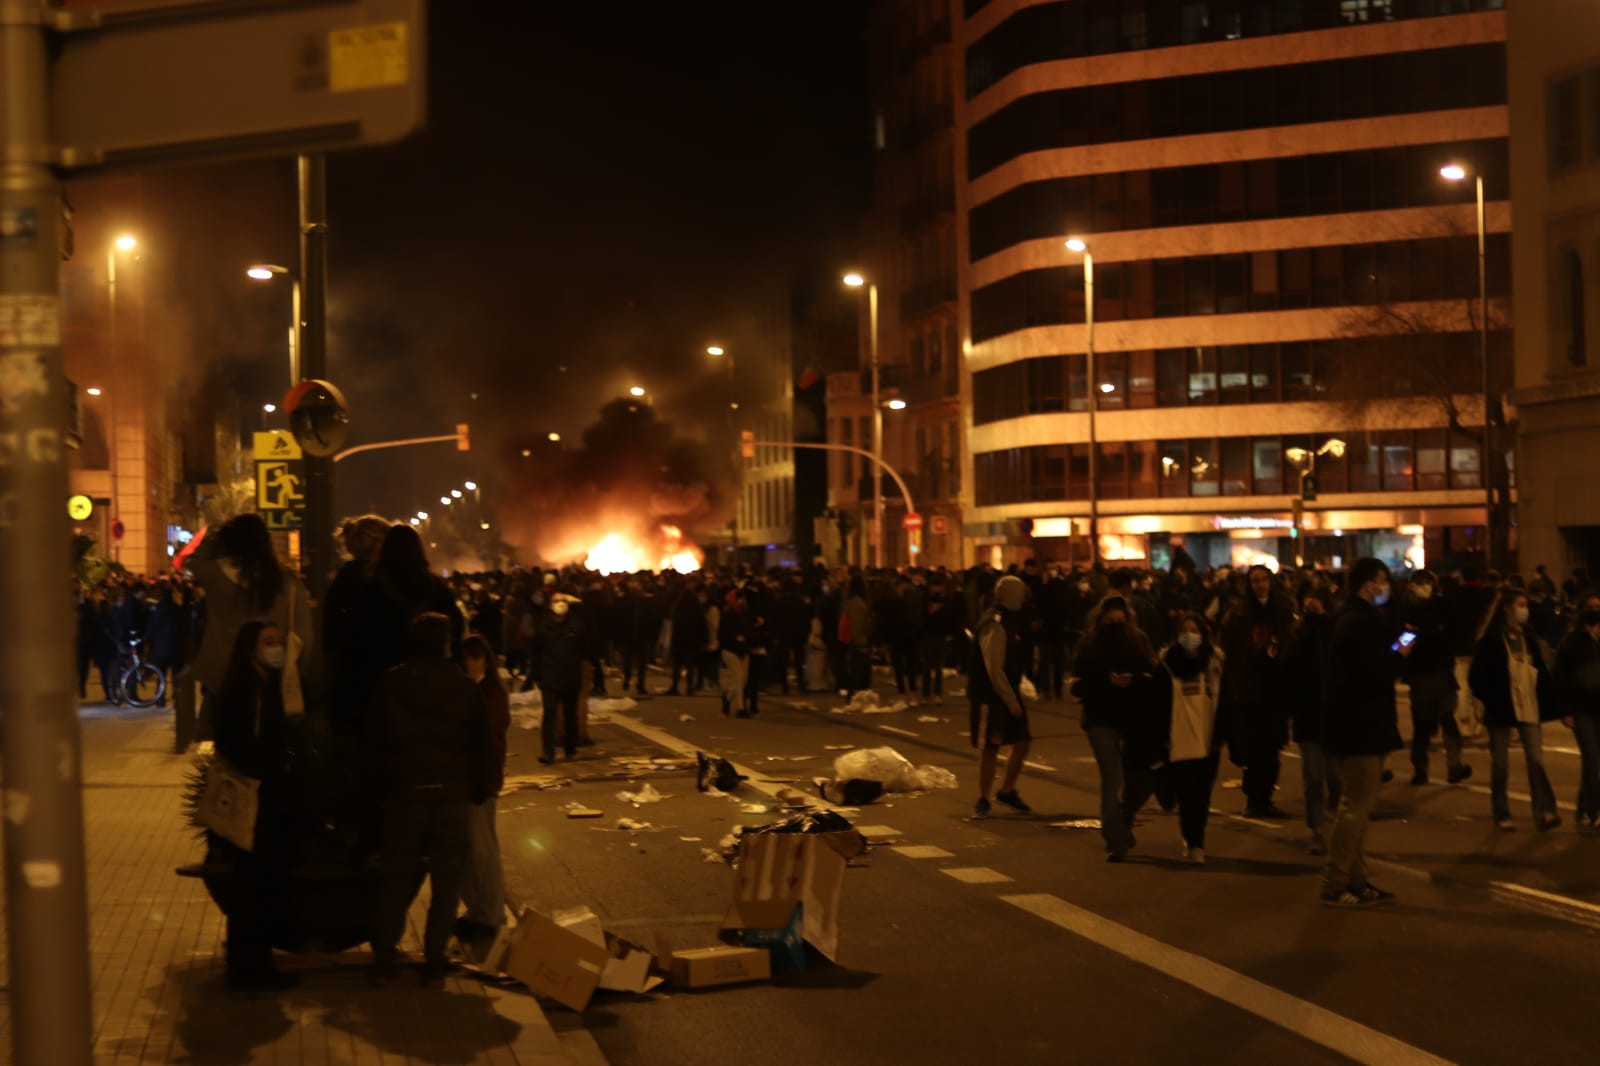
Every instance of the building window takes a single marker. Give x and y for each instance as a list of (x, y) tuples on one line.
[(1564, 110)]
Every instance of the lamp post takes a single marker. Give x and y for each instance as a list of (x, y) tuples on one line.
[(1078, 244), (269, 272), (856, 281), (124, 243), (1308, 458), (717, 351), (1457, 172)]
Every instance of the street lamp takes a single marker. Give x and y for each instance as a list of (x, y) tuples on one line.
[(1078, 244), (717, 351), (445, 500), (855, 280), (269, 272), (896, 405), (470, 486), (93, 390), (1307, 458), (123, 243), (1457, 172), (455, 494), (269, 408), (636, 392), (553, 438), (422, 516)]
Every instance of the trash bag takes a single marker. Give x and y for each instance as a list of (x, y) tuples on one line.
[(832, 823), (924, 778), (852, 793), (892, 769), (715, 773)]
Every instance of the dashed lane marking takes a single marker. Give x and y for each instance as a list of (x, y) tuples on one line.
[(922, 851), (1520, 797), (875, 833), (975, 875), (1317, 1024), (1039, 766), (1547, 903), (897, 729)]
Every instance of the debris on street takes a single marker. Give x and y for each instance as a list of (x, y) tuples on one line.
[(647, 794), (578, 810), (892, 769), (717, 773)]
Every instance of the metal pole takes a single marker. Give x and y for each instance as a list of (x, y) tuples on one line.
[(111, 402), (47, 923), (318, 537), (1487, 461), (294, 331), (877, 430), (1094, 402), (738, 458)]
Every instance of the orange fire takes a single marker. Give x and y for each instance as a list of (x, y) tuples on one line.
[(617, 553)]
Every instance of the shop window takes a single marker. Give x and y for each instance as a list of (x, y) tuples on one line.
[(1205, 475), (1142, 379), (1466, 466), (1266, 465), (1235, 456), (1112, 474), (1172, 377), (1202, 375), (1233, 374), (1174, 467), (1430, 460)]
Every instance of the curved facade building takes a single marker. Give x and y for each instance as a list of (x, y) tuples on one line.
[(1283, 280)]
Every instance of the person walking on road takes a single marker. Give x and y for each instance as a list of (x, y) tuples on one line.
[(1431, 673), (1257, 636), (1188, 740), (1114, 666), (1361, 726), (1509, 675), (998, 717), (1307, 687), (688, 641), (1577, 673), (483, 882), (734, 634), (855, 634), (432, 753), (558, 655)]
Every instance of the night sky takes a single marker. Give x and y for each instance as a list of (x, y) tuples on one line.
[(605, 187)]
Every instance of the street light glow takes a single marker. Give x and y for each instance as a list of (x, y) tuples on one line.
[(896, 405), (1076, 244), (445, 500), (854, 280), (636, 391), (555, 438), (422, 516), (93, 390), (483, 525), (455, 494), (259, 273), (1453, 172), (716, 349), (127, 243), (416, 522), (472, 486), (269, 408), (1106, 386)]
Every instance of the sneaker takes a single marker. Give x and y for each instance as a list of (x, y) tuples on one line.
[(1457, 774), (980, 809), (1373, 896), (1505, 825), (1319, 843), (1010, 798), (1197, 856), (1549, 822), (1343, 898)]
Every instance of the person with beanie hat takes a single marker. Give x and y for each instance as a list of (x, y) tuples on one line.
[(994, 690)]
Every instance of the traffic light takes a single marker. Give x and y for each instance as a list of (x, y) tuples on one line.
[(747, 443), (463, 437), (1308, 487)]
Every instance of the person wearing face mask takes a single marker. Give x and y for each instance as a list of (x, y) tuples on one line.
[(1307, 681), (1509, 675), (483, 882), (1187, 734), (1114, 667), (1257, 638), (1360, 727), (252, 734), (558, 650), (1430, 672), (1577, 673)]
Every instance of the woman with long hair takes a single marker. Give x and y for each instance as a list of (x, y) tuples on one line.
[(483, 885), (243, 582), (1577, 674), (253, 736), (1509, 675)]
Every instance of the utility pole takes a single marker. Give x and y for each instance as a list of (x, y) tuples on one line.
[(46, 885), (317, 538)]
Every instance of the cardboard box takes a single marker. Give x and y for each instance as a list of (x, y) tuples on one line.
[(627, 967), (709, 967), (555, 961), (771, 924), (798, 869)]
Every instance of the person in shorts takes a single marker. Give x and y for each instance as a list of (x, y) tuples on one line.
[(994, 688)]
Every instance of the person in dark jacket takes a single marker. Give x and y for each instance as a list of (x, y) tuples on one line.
[(1114, 668), (689, 639), (791, 629), (735, 630), (433, 755), (1431, 673), (163, 635), (1307, 689), (252, 734), (1509, 675), (483, 884), (1360, 727), (998, 717), (402, 588), (1257, 636), (559, 657), (1577, 675), (351, 674)]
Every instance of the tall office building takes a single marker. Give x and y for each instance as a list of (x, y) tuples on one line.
[(1283, 279), (1554, 61)]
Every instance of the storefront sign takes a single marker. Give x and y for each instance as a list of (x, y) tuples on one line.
[(1250, 522)]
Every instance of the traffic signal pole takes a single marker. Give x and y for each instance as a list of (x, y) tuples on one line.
[(47, 922), (313, 359)]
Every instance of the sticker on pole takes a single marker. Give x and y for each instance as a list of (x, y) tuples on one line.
[(367, 57)]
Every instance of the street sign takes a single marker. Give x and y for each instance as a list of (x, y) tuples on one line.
[(233, 79), (911, 522), (79, 508), (280, 480), (938, 525), (118, 530)]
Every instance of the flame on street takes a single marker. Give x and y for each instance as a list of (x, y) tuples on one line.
[(617, 553)]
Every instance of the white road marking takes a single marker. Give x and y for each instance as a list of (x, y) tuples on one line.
[(1535, 899), (897, 729), (1520, 797), (922, 851), (1250, 821), (1038, 765), (1317, 1024), (975, 875), (878, 832)]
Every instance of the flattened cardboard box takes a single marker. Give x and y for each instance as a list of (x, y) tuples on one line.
[(772, 924), (555, 962), (709, 967), (797, 868)]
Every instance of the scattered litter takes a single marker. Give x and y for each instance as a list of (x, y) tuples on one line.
[(1038, 765), (1233, 782), (801, 705), (632, 825), (647, 794), (685, 717), (717, 773), (755, 808), (869, 702), (690, 840), (604, 706), (892, 769), (839, 747), (578, 810), (902, 732), (879, 834), (834, 828), (850, 793), (1077, 823), (929, 718), (544, 782), (712, 855), (793, 800), (789, 758)]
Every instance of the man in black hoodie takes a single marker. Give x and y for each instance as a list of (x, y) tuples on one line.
[(433, 757), (1360, 726), (1257, 637), (1431, 672)]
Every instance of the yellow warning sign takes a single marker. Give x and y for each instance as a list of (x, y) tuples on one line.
[(277, 444), (367, 57)]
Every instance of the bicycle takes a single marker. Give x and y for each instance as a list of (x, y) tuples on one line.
[(135, 672)]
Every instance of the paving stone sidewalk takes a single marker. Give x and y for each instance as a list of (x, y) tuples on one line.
[(156, 950)]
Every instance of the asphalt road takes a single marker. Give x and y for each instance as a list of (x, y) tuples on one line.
[(1056, 956)]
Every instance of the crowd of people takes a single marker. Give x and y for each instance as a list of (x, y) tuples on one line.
[(1174, 671)]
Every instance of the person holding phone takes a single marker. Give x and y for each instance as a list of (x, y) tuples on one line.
[(1360, 727)]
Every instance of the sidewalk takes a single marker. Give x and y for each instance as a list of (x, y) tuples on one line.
[(156, 950)]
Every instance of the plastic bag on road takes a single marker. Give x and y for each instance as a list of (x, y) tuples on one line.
[(843, 836), (647, 794), (894, 770), (716, 775)]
